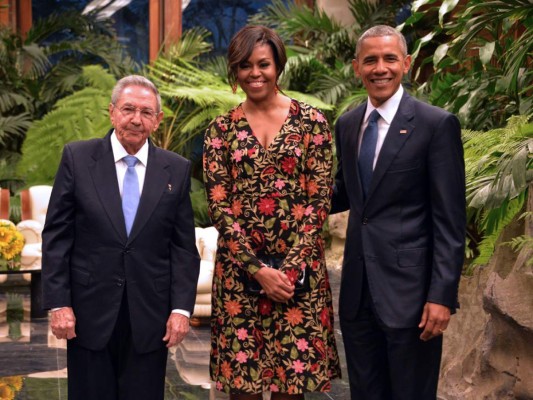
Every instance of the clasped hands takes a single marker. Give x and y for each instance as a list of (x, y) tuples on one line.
[(63, 322), (276, 285)]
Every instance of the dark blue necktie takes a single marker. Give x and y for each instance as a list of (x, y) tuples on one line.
[(130, 192), (368, 151)]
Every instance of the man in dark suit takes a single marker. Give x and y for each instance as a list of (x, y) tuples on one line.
[(120, 265), (404, 185)]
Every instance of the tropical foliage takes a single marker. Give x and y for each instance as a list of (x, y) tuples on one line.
[(481, 53), (498, 171), (81, 115), (38, 70)]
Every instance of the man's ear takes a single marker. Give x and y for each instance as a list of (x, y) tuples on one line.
[(111, 108), (355, 66), (407, 63)]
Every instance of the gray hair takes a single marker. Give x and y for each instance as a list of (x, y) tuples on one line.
[(135, 80), (379, 31)]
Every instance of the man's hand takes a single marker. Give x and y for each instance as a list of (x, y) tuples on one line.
[(177, 329), (275, 284), (63, 322), (435, 318)]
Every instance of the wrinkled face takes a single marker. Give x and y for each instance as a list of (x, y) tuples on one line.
[(381, 66), (135, 117), (257, 75)]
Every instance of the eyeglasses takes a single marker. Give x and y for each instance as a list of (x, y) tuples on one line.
[(130, 111)]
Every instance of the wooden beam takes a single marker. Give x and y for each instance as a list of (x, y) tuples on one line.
[(8, 13), (308, 3), (155, 13), (173, 18), (24, 17), (4, 204)]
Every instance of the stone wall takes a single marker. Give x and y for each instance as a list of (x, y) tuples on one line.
[(488, 347)]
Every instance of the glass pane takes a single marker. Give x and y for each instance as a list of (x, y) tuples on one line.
[(129, 17), (223, 18)]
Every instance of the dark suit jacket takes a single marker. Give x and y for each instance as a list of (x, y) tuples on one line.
[(88, 259), (410, 231)]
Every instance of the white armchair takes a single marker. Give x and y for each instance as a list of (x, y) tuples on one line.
[(34, 204), (206, 242)]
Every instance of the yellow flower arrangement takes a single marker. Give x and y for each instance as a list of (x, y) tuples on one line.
[(11, 241), (9, 387)]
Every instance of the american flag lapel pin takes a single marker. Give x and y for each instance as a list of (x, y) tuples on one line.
[(169, 187), (403, 131)]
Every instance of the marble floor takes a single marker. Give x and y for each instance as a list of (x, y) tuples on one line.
[(33, 362)]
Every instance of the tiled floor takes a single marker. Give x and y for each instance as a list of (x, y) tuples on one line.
[(33, 362)]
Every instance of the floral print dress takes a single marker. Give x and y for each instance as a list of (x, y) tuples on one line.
[(270, 201)]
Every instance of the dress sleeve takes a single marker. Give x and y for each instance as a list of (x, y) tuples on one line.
[(318, 183), (218, 185)]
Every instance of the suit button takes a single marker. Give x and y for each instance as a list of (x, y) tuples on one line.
[(365, 221), (120, 282)]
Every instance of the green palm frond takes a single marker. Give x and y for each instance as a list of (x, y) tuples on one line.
[(218, 66), (335, 87), (309, 99), (10, 100), (498, 166), (68, 21), (275, 15), (13, 126), (203, 95), (191, 45), (498, 163), (493, 223), (181, 73), (32, 61), (195, 123), (82, 115), (485, 14), (95, 76), (355, 98), (199, 204)]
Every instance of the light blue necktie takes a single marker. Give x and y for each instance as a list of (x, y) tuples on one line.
[(368, 151), (130, 192)]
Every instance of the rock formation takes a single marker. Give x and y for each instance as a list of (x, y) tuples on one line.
[(488, 347)]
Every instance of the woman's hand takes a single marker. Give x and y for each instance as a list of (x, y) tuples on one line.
[(276, 285)]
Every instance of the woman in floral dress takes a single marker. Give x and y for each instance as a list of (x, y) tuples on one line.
[(267, 171)]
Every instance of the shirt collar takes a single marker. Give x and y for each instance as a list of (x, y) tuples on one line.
[(387, 110), (119, 152)]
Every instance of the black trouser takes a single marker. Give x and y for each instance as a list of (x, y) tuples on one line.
[(385, 363), (117, 372)]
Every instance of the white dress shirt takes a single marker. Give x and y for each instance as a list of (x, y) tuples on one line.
[(387, 111)]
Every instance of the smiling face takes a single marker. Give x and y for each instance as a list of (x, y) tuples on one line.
[(134, 117), (257, 76), (381, 66)]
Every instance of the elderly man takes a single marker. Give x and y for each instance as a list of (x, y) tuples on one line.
[(120, 264), (401, 175)]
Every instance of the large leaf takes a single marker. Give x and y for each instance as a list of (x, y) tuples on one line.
[(80, 116)]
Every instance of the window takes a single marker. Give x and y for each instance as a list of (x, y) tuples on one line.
[(130, 20)]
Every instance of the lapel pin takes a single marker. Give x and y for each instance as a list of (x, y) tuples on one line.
[(169, 187), (403, 132)]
